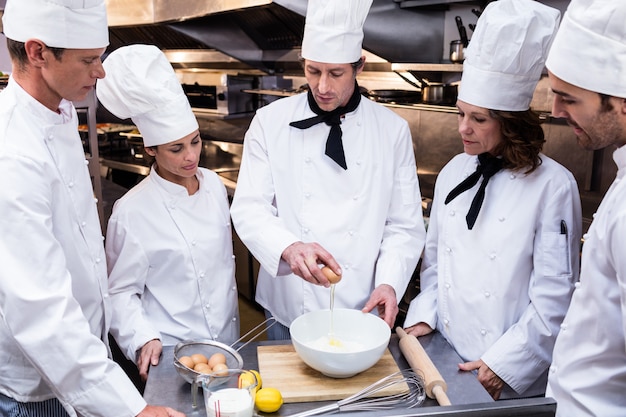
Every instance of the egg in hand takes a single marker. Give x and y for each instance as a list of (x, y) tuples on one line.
[(330, 275)]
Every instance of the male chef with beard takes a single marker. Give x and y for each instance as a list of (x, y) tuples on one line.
[(328, 178), (587, 71)]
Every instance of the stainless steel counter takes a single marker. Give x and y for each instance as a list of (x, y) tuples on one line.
[(166, 387)]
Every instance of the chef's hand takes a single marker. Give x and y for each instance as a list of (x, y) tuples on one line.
[(419, 329), (384, 298), (304, 260), (154, 411), (492, 382), (149, 355)]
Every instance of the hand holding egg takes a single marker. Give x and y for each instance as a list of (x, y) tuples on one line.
[(330, 275)]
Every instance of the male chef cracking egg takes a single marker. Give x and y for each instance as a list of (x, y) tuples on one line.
[(329, 178)]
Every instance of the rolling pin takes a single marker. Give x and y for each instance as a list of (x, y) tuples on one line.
[(417, 357)]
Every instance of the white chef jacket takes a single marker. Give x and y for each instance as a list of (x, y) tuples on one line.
[(588, 373), (171, 266), (498, 292), (53, 284), (369, 217)]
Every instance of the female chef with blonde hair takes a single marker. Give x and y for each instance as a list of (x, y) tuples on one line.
[(501, 254), (168, 244)]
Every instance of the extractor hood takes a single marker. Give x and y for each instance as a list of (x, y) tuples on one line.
[(264, 35)]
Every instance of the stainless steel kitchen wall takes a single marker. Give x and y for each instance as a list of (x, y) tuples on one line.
[(264, 33)]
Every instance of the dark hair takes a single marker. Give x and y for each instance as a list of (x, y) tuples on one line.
[(605, 104), (149, 159), (358, 64), (522, 139), (17, 52)]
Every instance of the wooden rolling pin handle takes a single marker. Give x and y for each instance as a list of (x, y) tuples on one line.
[(441, 396), (419, 361)]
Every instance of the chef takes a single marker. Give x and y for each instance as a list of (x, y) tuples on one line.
[(169, 241), (328, 178), (501, 253), (587, 68), (54, 302)]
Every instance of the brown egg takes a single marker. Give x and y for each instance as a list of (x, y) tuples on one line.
[(330, 275), (202, 368), (199, 358), (220, 369), (186, 361), (216, 359)]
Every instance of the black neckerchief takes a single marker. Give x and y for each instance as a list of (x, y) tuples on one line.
[(487, 166), (334, 145)]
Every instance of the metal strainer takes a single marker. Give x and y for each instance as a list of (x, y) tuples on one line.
[(210, 347)]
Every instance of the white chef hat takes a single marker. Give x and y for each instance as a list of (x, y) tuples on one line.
[(589, 50), (505, 58), (141, 84), (71, 24), (333, 32)]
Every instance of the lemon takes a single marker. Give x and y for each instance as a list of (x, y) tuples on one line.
[(258, 379), (268, 400), (246, 379)]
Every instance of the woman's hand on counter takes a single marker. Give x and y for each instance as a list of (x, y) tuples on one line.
[(153, 411), (419, 329), (492, 382), (149, 355)]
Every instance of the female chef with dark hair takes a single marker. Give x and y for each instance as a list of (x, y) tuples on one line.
[(168, 245), (502, 247)]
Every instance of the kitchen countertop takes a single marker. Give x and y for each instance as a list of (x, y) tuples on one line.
[(468, 397)]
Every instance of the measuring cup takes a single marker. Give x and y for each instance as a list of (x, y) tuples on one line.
[(228, 393)]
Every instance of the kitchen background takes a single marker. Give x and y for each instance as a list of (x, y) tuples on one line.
[(235, 56)]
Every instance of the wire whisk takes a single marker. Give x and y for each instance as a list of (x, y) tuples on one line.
[(364, 400)]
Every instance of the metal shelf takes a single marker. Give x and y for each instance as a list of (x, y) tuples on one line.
[(427, 67), (407, 4), (270, 92)]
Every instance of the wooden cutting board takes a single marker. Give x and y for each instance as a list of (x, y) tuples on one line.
[(281, 367)]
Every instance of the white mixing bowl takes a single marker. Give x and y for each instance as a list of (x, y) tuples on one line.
[(362, 337)]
